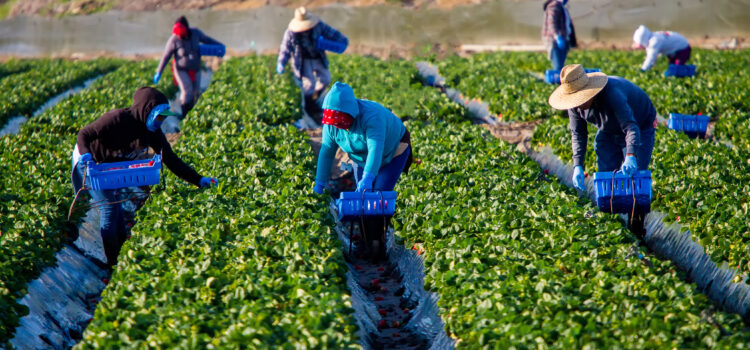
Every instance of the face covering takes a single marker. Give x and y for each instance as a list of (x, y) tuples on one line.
[(152, 124), (180, 30), (338, 119)]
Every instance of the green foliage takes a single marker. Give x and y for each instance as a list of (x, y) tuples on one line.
[(35, 176), (43, 80), (521, 262), (251, 264)]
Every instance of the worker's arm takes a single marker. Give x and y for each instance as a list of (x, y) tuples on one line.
[(579, 136), (202, 37), (332, 34), (285, 50), (325, 157), (652, 53), (173, 162), (168, 52)]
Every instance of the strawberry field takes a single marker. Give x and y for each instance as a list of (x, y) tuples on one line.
[(518, 259)]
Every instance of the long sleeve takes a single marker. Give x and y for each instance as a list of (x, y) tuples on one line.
[(285, 50), (168, 52), (558, 19), (579, 136), (104, 127), (625, 119), (325, 158), (332, 34), (375, 133), (174, 163), (207, 39)]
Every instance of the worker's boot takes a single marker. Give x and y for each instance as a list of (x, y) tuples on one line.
[(637, 224)]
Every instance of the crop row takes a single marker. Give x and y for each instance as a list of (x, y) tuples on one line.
[(15, 66), (27, 91), (520, 261), (250, 264), (720, 89), (510, 268), (35, 177)]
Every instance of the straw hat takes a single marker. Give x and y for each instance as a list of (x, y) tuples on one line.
[(302, 20), (576, 87)]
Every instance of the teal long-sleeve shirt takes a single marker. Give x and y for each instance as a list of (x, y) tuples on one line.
[(371, 141)]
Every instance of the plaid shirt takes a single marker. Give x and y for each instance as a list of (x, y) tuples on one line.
[(291, 48), (554, 21)]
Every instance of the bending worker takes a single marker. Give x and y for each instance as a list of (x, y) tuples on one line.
[(309, 62), (375, 139), (671, 44), (184, 44), (558, 33), (624, 116), (121, 135)]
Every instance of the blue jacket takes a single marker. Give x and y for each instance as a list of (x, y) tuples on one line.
[(620, 108), (372, 139)]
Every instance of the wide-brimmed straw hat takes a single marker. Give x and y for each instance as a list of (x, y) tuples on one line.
[(576, 87), (302, 20)]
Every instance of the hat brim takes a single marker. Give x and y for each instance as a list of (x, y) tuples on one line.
[(562, 101), (303, 25)]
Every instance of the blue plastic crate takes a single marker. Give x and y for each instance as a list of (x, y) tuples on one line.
[(352, 205), (680, 70), (552, 76), (330, 45), (111, 176), (620, 191), (692, 125), (213, 50)]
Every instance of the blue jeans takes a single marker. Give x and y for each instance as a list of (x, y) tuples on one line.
[(558, 56), (112, 222), (609, 150), (389, 174)]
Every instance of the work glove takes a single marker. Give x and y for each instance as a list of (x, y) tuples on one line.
[(561, 43), (157, 76), (319, 188), (209, 181), (366, 182), (279, 68), (578, 181), (629, 166)]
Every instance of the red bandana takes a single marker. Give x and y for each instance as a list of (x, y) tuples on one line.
[(338, 119), (180, 30)]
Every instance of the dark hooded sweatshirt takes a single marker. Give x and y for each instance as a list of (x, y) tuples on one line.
[(121, 134)]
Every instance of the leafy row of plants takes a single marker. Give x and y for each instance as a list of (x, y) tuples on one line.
[(502, 254), (396, 85), (520, 261), (35, 170), (45, 78), (251, 264), (721, 87), (14, 66), (703, 184)]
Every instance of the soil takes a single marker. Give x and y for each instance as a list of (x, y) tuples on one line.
[(316, 136)]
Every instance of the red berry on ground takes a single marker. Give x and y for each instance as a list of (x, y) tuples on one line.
[(382, 312), (546, 171), (395, 324), (382, 324), (375, 282), (379, 298), (381, 269), (357, 267), (396, 335)]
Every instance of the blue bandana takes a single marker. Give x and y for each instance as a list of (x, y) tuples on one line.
[(152, 124)]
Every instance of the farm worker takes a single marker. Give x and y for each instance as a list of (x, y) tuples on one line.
[(309, 63), (558, 33), (121, 135), (622, 113), (184, 44), (671, 44), (375, 139)]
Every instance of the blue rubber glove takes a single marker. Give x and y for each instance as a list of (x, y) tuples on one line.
[(629, 166), (578, 178), (209, 181), (279, 68), (561, 43), (157, 76), (366, 182), (319, 188)]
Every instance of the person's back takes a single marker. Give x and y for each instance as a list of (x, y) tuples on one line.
[(667, 43)]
